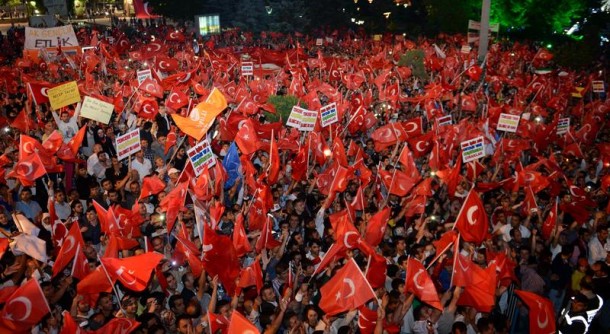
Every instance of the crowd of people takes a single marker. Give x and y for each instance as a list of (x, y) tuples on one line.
[(141, 244)]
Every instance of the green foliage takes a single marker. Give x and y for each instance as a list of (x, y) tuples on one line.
[(283, 106), (415, 60)]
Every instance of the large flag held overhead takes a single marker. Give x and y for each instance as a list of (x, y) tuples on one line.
[(472, 221), (24, 308), (143, 10), (418, 282), (347, 290), (541, 314), (202, 116)]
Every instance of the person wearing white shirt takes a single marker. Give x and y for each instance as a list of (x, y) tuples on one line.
[(67, 125), (598, 245), (96, 163), (141, 164)]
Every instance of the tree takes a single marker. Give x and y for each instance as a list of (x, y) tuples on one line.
[(288, 15)]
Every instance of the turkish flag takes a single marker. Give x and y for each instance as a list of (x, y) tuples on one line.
[(25, 308), (176, 99), (240, 240), (549, 222), (133, 272), (530, 200), (397, 182), (346, 233), (358, 202), (3, 246), (406, 159), (220, 258), (338, 151), (27, 170), (170, 141), (463, 268), (339, 182), (376, 272), (116, 325), (117, 243), (367, 320), (469, 103), (246, 138), (266, 239), (418, 282), (541, 313), (472, 221), (147, 107), (80, 266), (239, 324), (151, 185), (167, 64), (252, 276), (68, 249), (474, 72), (347, 290), (53, 142), (482, 293), (151, 87), (76, 142), (442, 245), (335, 252), (376, 227), (274, 162), (218, 323), (172, 203), (422, 145), (300, 163), (39, 91)]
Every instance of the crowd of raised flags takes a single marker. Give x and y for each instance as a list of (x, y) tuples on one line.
[(471, 199)]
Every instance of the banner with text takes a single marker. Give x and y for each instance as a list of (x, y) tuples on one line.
[(63, 95), (563, 125), (329, 115), (37, 38), (143, 75), (201, 155), (473, 149), (128, 144), (96, 110), (508, 122), (302, 119)]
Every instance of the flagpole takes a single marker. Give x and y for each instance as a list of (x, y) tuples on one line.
[(111, 283), (455, 256)]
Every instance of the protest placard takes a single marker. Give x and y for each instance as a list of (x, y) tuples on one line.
[(302, 119), (40, 38), (329, 115), (201, 155), (508, 122), (128, 144), (563, 125), (96, 110), (143, 75), (598, 86), (444, 120), (63, 95), (473, 149), (247, 68)]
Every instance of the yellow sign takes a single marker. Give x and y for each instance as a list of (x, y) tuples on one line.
[(64, 95), (96, 110)]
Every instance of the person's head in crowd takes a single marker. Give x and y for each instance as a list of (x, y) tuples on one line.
[(311, 316), (114, 197), (485, 326), (172, 284), (107, 185), (173, 174), (134, 188), (398, 284), (140, 155), (77, 208), (600, 269), (159, 163), (193, 308), (90, 252), (602, 233), (184, 325), (26, 195), (104, 303), (144, 144), (60, 196), (181, 153), (130, 306), (65, 116), (223, 308), (176, 304)]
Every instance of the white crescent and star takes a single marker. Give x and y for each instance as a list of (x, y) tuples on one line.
[(470, 213), (541, 309), (418, 148), (411, 127), (346, 236), (416, 279), (26, 166), (351, 285), (122, 270), (26, 303)]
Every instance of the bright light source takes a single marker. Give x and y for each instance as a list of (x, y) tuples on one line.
[(538, 119), (432, 173), (327, 152)]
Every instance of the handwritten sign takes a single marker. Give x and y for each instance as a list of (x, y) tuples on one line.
[(329, 115), (143, 75), (37, 38), (598, 86), (444, 120), (128, 144), (247, 68), (201, 155), (96, 110), (63, 95), (319, 41), (563, 125), (302, 119), (508, 122), (473, 149)]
